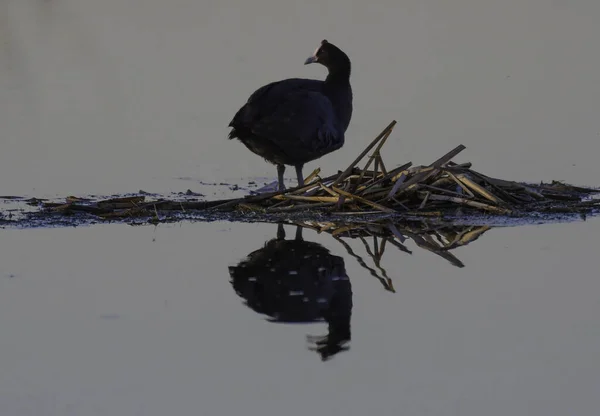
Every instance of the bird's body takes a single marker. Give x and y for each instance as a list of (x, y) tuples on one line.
[(295, 121)]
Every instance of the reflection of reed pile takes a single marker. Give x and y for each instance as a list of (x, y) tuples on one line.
[(439, 239), (433, 189), (293, 281)]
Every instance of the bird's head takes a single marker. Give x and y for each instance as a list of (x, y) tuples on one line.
[(330, 56)]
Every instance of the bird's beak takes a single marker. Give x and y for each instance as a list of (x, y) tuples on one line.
[(310, 60)]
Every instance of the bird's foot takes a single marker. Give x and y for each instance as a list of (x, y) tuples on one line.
[(271, 187)]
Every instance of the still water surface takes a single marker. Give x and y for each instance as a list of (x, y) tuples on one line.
[(121, 95), (112, 320)]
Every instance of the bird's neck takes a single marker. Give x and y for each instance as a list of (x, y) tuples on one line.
[(337, 88), (337, 83), (338, 77)]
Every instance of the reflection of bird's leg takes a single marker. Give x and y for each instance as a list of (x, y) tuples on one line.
[(299, 233), (280, 232), (299, 175), (280, 172)]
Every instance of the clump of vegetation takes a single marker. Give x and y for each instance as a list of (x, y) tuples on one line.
[(426, 190)]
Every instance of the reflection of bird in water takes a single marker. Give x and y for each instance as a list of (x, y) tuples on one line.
[(298, 281)]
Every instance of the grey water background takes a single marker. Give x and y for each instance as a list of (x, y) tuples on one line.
[(120, 95)]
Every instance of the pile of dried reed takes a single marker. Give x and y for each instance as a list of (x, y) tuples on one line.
[(435, 189)]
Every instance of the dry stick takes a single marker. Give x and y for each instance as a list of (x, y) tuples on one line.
[(310, 186), (313, 175), (374, 157), (447, 237), (466, 165), (363, 264), (341, 230), (497, 186), (109, 207), (533, 193), (326, 227), (347, 213), (227, 204), (396, 186), (389, 175), (376, 261), (360, 185), (312, 191), (425, 200), (496, 182), (399, 236), (381, 138), (396, 232), (470, 203), (375, 169), (446, 191), (63, 207), (327, 183), (440, 238), (121, 202), (445, 181), (440, 251), (125, 213), (301, 207), (381, 164), (259, 198), (400, 185), (479, 189), (305, 225), (307, 198), (559, 197), (364, 152), (328, 190), (459, 183), (381, 249), (233, 202), (423, 175), (401, 203), (430, 240), (164, 205), (413, 170), (434, 248), (251, 207), (467, 237), (448, 156), (284, 202), (425, 213), (398, 245), (364, 201), (67, 208)]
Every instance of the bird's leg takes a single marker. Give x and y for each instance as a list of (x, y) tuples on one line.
[(280, 172), (280, 232), (299, 233), (299, 175)]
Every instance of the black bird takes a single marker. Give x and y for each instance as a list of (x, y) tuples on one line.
[(294, 121)]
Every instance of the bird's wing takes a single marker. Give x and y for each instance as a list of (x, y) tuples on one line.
[(265, 100), (301, 121)]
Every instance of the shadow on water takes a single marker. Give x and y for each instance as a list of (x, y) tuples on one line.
[(295, 281), (298, 281)]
